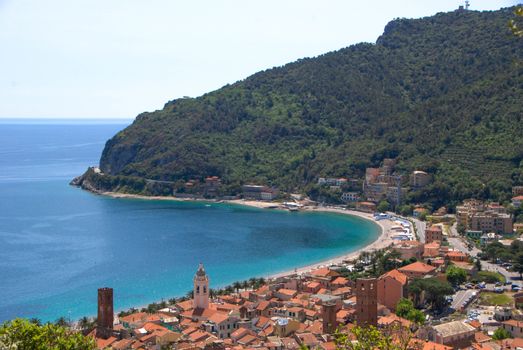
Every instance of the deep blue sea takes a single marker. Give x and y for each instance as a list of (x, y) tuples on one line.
[(58, 244)]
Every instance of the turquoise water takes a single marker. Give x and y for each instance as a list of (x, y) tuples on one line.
[(58, 244)]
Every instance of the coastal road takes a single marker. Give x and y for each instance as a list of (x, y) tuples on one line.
[(420, 229)]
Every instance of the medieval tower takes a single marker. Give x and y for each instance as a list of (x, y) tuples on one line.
[(367, 301)]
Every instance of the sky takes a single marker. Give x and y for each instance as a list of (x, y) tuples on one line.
[(118, 58)]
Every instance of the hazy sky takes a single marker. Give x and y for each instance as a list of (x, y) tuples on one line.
[(115, 59)]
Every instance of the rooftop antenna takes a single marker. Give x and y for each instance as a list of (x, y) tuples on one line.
[(467, 4)]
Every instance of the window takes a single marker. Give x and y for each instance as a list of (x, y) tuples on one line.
[(197, 289)]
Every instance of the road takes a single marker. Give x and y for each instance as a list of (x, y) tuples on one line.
[(420, 229), (460, 244)]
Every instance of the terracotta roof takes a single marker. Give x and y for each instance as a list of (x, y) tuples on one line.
[(417, 267), (218, 317), (313, 284), (428, 345), (104, 343), (518, 198), (324, 272), (340, 280), (289, 292), (397, 275), (514, 323), (481, 337), (393, 318), (308, 339)]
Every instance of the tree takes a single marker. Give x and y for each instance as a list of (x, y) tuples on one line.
[(383, 206), (518, 264), (23, 334), (477, 263), (456, 275), (501, 333), (405, 309), (237, 285), (435, 291), (515, 27), (370, 338)]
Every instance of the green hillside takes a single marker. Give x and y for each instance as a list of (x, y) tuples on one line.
[(442, 93)]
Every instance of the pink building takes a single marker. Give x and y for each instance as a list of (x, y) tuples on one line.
[(391, 288)]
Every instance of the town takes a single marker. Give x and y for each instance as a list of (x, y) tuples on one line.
[(448, 282)]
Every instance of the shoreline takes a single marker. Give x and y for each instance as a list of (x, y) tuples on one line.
[(383, 239)]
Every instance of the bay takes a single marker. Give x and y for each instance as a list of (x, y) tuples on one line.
[(58, 244)]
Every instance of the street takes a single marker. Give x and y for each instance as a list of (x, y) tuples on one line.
[(460, 244)]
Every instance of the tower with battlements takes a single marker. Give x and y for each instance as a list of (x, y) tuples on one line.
[(367, 302), (104, 328)]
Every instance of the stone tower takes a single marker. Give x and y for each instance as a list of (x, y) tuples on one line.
[(201, 289), (367, 302), (104, 328), (328, 314)]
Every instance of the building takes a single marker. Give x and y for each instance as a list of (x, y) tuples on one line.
[(201, 289), (367, 207), (258, 192), (433, 233), (392, 286), (517, 201), (221, 324), (367, 302), (409, 249), (417, 270), (477, 216), (517, 190), (104, 325), (431, 250), (376, 191), (350, 197), (395, 194), (419, 179), (212, 185), (328, 314), (457, 334), (491, 222), (514, 327), (457, 256)]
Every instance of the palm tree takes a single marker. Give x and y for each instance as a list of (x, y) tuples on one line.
[(62, 322), (36, 321), (245, 285), (253, 282), (84, 323), (237, 285)]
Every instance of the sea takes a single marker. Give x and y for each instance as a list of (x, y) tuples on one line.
[(59, 244)]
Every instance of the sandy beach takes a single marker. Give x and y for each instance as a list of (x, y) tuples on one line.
[(382, 241)]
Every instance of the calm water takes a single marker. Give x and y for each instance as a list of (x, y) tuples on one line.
[(58, 244)]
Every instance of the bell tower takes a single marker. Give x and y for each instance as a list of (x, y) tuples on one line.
[(201, 289)]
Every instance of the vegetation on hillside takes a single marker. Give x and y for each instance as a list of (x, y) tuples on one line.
[(441, 94)]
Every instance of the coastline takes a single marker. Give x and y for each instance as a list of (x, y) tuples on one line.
[(383, 240)]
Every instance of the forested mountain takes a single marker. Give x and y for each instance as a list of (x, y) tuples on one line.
[(442, 94)]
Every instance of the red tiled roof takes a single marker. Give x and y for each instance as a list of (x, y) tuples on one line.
[(397, 275), (417, 267)]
